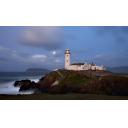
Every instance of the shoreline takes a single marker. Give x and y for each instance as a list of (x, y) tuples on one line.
[(7, 88)]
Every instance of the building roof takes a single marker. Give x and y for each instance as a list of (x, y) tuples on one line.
[(92, 64), (78, 64)]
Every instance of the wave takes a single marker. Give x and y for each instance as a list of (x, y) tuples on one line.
[(8, 88)]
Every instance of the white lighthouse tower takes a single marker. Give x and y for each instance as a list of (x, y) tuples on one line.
[(67, 59)]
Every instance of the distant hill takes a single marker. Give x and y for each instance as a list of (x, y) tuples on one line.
[(122, 69), (37, 71)]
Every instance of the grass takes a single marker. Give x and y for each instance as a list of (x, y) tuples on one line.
[(74, 80)]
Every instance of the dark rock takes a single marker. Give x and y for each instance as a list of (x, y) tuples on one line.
[(22, 82), (17, 84), (42, 78), (25, 85)]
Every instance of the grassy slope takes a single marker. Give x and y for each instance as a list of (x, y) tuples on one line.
[(87, 82), (68, 78)]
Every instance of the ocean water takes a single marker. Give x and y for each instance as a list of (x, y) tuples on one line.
[(7, 80)]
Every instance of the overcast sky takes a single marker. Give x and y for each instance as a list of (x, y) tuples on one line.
[(43, 47)]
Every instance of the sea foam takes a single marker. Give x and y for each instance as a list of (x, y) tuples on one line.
[(8, 88)]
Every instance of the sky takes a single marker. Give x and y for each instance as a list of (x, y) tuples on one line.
[(23, 47)]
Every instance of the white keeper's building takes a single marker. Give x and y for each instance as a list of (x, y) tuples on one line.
[(79, 66)]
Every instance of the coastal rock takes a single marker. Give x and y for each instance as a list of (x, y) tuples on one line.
[(17, 84), (22, 82), (87, 82), (25, 85)]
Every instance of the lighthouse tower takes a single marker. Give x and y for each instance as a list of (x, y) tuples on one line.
[(67, 59)]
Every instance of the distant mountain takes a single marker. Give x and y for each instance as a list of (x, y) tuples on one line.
[(122, 69), (37, 71)]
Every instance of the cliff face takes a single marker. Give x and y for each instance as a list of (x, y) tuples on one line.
[(87, 82), (109, 85), (64, 81)]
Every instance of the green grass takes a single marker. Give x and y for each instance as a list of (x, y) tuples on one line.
[(74, 80)]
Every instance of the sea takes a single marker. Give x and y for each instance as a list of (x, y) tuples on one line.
[(7, 80)]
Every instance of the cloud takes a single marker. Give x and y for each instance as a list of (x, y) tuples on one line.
[(46, 37), (57, 60), (111, 60), (118, 33), (14, 60), (39, 56), (12, 55)]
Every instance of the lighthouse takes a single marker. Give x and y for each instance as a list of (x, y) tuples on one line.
[(79, 66), (67, 59)]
